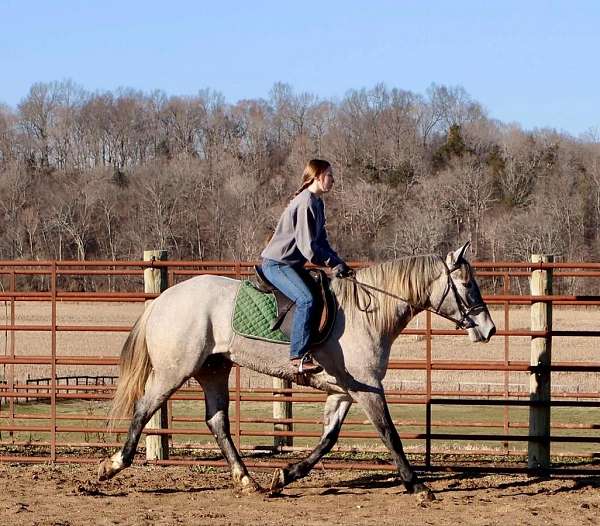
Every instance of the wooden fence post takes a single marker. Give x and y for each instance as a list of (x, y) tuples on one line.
[(282, 410), (156, 281), (541, 358)]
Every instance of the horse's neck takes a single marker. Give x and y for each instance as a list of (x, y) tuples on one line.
[(405, 314)]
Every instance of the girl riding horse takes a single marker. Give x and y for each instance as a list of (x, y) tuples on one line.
[(300, 237)]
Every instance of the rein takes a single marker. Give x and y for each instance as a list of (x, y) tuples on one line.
[(466, 310)]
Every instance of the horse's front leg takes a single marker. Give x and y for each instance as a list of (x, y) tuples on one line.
[(374, 404), (336, 409)]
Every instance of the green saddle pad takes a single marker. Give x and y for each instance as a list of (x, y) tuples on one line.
[(254, 313)]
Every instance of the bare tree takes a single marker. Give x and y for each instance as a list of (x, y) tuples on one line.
[(73, 217), (422, 227), (107, 174), (8, 140), (465, 189), (183, 117), (63, 133), (15, 183), (453, 105), (38, 111)]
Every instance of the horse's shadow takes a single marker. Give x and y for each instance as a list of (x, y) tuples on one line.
[(92, 490), (374, 481), (460, 483), (172, 491), (455, 483)]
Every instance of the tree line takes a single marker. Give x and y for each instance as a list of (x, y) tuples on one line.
[(105, 175)]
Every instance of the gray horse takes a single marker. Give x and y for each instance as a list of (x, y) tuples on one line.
[(186, 332)]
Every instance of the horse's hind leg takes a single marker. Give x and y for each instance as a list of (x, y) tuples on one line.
[(375, 406), (214, 379), (336, 409), (158, 390)]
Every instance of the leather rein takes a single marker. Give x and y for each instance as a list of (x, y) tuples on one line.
[(465, 322)]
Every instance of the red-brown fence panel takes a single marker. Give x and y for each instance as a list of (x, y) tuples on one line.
[(456, 405)]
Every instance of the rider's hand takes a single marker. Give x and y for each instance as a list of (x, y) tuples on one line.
[(343, 271)]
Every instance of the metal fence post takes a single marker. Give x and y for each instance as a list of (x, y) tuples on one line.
[(52, 382), (155, 281), (541, 359)]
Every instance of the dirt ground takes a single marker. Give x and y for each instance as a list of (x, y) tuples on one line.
[(69, 495)]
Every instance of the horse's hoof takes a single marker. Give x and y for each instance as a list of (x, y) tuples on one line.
[(277, 482), (106, 470), (424, 498), (248, 486)]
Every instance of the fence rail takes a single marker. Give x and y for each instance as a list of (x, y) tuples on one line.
[(63, 427)]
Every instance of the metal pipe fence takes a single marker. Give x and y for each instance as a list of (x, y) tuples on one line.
[(65, 423)]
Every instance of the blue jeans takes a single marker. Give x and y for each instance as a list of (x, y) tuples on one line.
[(289, 280)]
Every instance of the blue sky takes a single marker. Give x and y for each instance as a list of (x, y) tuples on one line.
[(530, 61)]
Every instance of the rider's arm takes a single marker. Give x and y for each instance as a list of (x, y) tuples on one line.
[(311, 237)]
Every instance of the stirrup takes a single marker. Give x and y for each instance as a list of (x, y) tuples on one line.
[(308, 359)]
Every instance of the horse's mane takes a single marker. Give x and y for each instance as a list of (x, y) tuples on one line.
[(410, 278)]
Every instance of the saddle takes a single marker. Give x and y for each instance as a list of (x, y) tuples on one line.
[(325, 306)]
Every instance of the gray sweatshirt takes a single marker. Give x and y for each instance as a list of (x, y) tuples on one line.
[(300, 234)]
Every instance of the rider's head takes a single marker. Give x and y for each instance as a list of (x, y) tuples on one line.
[(316, 169)]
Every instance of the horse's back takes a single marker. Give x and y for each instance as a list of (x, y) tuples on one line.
[(192, 319), (198, 296)]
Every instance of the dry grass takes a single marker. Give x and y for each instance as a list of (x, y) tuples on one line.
[(37, 343)]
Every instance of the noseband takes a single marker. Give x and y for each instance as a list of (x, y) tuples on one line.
[(465, 322)]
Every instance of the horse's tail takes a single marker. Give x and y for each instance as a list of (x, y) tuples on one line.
[(135, 367)]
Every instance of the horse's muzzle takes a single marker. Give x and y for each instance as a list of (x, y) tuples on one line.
[(490, 334)]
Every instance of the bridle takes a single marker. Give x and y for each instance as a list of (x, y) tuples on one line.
[(466, 310)]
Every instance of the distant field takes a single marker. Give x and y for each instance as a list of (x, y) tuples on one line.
[(406, 347)]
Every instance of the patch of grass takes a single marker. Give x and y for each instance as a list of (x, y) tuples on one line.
[(410, 419)]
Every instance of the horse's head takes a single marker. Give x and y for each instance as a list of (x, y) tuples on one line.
[(455, 294)]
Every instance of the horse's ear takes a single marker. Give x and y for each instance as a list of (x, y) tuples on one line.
[(455, 257)]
